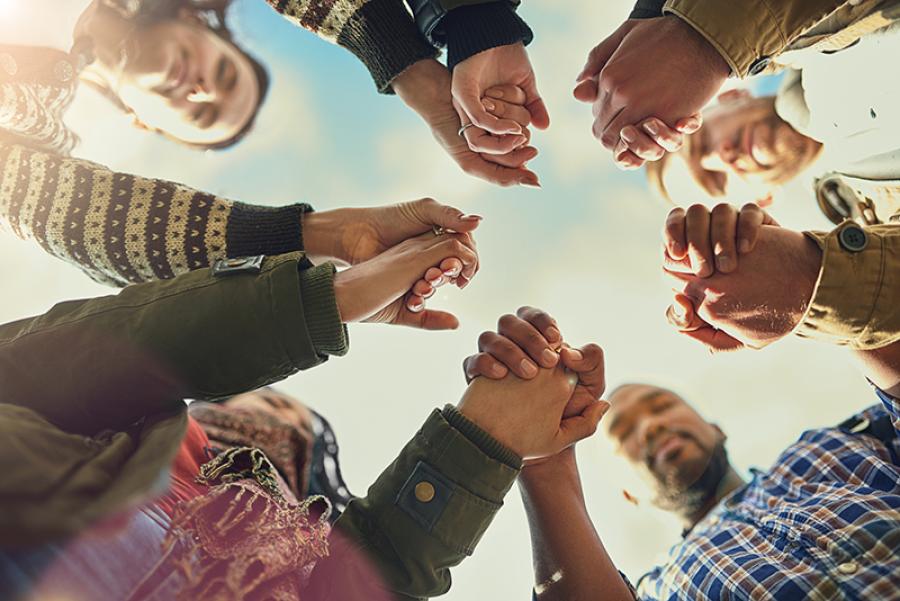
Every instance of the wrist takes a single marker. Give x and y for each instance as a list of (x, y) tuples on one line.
[(550, 471), (425, 88), (322, 235)]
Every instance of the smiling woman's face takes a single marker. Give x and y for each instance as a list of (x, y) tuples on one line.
[(183, 79)]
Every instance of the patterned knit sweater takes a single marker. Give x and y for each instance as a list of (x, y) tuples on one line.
[(121, 228)]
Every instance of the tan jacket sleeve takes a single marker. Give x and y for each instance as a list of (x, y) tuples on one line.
[(748, 33), (855, 299)]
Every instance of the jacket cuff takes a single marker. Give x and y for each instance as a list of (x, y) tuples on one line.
[(647, 9), (323, 320), (254, 230), (476, 28), (853, 303), (747, 34), (481, 439), (383, 35), (465, 487)]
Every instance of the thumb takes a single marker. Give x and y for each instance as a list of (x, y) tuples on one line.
[(447, 217), (429, 320), (579, 427), (540, 117)]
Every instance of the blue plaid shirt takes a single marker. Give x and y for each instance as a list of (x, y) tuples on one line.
[(822, 523)]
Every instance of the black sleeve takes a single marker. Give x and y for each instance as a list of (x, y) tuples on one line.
[(647, 9), (479, 27)]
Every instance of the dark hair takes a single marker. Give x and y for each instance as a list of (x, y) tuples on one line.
[(212, 13)]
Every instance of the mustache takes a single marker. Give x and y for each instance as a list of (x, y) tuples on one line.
[(649, 454)]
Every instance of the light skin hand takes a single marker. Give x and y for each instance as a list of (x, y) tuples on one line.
[(641, 71), (651, 139), (376, 291), (426, 88), (503, 65), (703, 241), (762, 301), (353, 236)]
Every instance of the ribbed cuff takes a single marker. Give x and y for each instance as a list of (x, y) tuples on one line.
[(481, 439), (254, 230), (384, 37), (323, 320), (476, 28), (647, 9)]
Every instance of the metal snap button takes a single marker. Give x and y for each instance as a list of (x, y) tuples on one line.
[(759, 65), (424, 492)]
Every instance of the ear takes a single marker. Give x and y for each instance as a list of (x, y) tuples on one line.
[(735, 95)]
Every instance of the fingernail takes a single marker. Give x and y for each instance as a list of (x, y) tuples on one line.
[(435, 282), (652, 127), (553, 334), (497, 369), (489, 105), (576, 354), (744, 246), (627, 135), (723, 263), (548, 357), (691, 124), (677, 250), (495, 93), (471, 218), (678, 311), (416, 308), (529, 368), (530, 184), (452, 273)]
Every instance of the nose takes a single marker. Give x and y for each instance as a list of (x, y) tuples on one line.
[(648, 430)]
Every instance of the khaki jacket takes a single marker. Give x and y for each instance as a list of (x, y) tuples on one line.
[(92, 412), (760, 36)]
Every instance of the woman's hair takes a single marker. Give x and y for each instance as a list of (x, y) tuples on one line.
[(212, 14)]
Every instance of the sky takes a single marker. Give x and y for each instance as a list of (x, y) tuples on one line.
[(585, 247)]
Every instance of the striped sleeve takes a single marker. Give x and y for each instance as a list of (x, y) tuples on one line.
[(380, 33), (122, 229)]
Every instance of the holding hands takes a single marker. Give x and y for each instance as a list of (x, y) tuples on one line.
[(726, 298), (638, 73), (547, 409)]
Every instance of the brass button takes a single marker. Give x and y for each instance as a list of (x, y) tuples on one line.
[(848, 567), (424, 492), (8, 64)]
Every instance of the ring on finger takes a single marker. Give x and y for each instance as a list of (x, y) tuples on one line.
[(462, 130), (438, 230)]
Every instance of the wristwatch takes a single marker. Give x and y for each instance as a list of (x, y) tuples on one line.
[(430, 13)]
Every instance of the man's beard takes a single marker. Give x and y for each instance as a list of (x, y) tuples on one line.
[(673, 496)]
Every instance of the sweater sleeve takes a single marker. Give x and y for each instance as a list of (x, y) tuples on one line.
[(380, 33), (104, 363), (423, 515), (749, 33), (122, 229)]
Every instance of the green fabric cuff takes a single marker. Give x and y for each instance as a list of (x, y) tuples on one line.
[(323, 321), (481, 439)]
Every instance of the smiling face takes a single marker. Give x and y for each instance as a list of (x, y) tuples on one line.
[(741, 154), (183, 79), (658, 432)]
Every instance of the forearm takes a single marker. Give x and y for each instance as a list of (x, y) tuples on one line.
[(380, 33), (422, 516), (570, 561), (122, 229), (102, 363), (745, 31)]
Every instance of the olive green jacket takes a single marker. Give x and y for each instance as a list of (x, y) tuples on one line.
[(92, 411)]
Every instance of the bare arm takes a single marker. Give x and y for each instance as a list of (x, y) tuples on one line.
[(570, 562)]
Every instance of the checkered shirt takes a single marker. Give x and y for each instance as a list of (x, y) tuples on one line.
[(823, 523)]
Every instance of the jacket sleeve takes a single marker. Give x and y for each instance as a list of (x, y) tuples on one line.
[(206, 334), (380, 33), (749, 33), (121, 228), (647, 9), (854, 301), (423, 515)]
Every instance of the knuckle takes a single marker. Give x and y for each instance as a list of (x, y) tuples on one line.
[(484, 339), (751, 207), (696, 210), (507, 321), (722, 209)]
